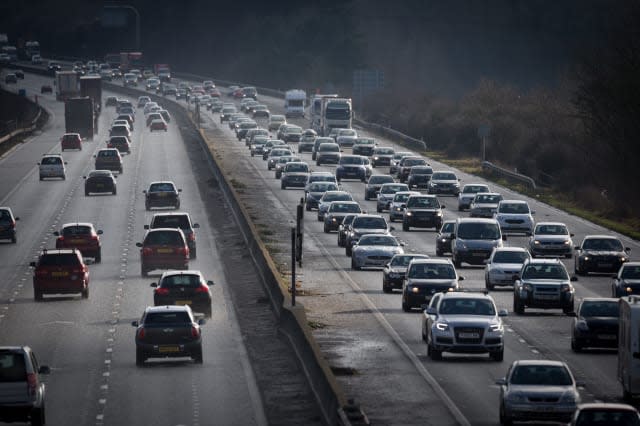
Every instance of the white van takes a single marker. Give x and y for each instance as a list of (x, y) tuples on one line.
[(52, 165), (629, 346)]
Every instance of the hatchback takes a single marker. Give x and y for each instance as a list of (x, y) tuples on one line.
[(60, 272), (177, 220), (183, 288), (8, 225), (82, 236), (162, 194), (163, 248), (71, 141)]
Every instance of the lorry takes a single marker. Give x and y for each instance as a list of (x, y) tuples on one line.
[(66, 83), (79, 116), (130, 60), (336, 113), (163, 71), (91, 86), (294, 103), (316, 110), (629, 346)]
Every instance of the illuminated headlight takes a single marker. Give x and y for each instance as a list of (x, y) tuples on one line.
[(439, 213), (333, 219), (495, 327), (628, 289), (376, 158), (415, 289), (582, 326), (442, 326), (444, 240), (566, 243), (585, 258), (536, 242), (398, 209), (623, 259), (409, 214)]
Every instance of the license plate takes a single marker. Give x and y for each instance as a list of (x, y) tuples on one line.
[(165, 250), (165, 349), (604, 265), (59, 274), (469, 335), (607, 336), (478, 254), (99, 185), (183, 302), (546, 297), (161, 194), (77, 241)]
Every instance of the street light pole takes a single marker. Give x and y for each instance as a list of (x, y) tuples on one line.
[(135, 12)]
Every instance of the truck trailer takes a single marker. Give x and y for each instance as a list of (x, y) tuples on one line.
[(66, 83), (79, 117), (629, 346)]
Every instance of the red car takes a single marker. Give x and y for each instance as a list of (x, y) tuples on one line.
[(81, 236), (163, 248), (60, 272), (158, 125), (71, 141)]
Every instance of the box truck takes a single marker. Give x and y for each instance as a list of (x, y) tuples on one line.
[(295, 101), (79, 116), (66, 83), (629, 346)]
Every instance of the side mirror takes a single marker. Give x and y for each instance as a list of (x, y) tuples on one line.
[(95, 156), (16, 218), (580, 383), (99, 232), (572, 235), (401, 244), (452, 236), (431, 311), (196, 225), (146, 226), (460, 278), (533, 212), (442, 206), (32, 264), (44, 369), (179, 190), (515, 277), (403, 206), (392, 228), (37, 164), (135, 323), (144, 191), (501, 382), (154, 285), (574, 278), (56, 233), (576, 248), (138, 244), (503, 313), (84, 177), (627, 249), (210, 283), (202, 321), (386, 265)]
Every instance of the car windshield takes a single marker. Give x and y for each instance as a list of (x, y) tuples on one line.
[(478, 231), (542, 375), (605, 417), (551, 230), (403, 260), (329, 147), (630, 272), (12, 367), (516, 257), (432, 271), (370, 222), (351, 160), (167, 318), (513, 208), (474, 189), (392, 189), (423, 202), (322, 187), (171, 221), (162, 187), (378, 240), (467, 306), (344, 208), (336, 197), (600, 308), (602, 244), (70, 231), (444, 176), (400, 198), (384, 151), (164, 238), (5, 216), (410, 162), (545, 272), (297, 168), (100, 173), (365, 142), (322, 178), (347, 132), (487, 199), (182, 280), (399, 155), (419, 170), (376, 179), (447, 228)]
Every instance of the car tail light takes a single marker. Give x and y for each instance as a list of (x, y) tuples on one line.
[(202, 289), (32, 383), (161, 291), (183, 250), (195, 331), (191, 237), (141, 333), (94, 238), (77, 271), (146, 251), (41, 272)]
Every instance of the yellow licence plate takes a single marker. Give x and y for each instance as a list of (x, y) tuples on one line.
[(77, 241), (165, 349), (183, 302), (59, 274), (162, 194), (165, 250)]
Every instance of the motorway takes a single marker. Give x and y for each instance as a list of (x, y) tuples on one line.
[(89, 344)]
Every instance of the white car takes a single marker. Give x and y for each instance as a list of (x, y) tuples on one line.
[(515, 216), (503, 264), (374, 250), (468, 193), (52, 166)]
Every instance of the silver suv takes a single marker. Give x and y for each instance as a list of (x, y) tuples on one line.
[(543, 283), (464, 323), (473, 240)]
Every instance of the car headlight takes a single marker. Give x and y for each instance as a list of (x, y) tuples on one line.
[(569, 398), (439, 213), (582, 325), (623, 259), (444, 240), (461, 245), (536, 242), (409, 214), (442, 326), (566, 243), (415, 289), (375, 158), (585, 258), (495, 327), (516, 397), (333, 219), (565, 288), (527, 287)]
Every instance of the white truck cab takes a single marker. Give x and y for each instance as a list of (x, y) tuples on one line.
[(629, 346), (295, 101)]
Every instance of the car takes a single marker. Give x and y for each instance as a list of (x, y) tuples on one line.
[(291, 133), (275, 121), (54, 66), (405, 165), (374, 251), (107, 75), (551, 239), (426, 277), (121, 143), (337, 211), (128, 117), (36, 59), (444, 182), (346, 141), (422, 211), (19, 74), (158, 125), (515, 216), (504, 264), (322, 177), (71, 141), (183, 288), (257, 145), (365, 224), (387, 193), (315, 191), (260, 111), (399, 204), (129, 79), (328, 153), (244, 127), (163, 248), (394, 271), (282, 161), (46, 88), (307, 140), (122, 122), (468, 194), (542, 390), (545, 284), (600, 253), (177, 220), (363, 146), (595, 324), (52, 165), (271, 144), (226, 112), (609, 414), (627, 280), (419, 176), (316, 146), (443, 237), (8, 225), (252, 133), (382, 156), (5, 58), (274, 154), (344, 228), (353, 167), (168, 332), (485, 204), (162, 194), (327, 198), (294, 174), (100, 181), (153, 116), (111, 101), (249, 92), (22, 392), (474, 239), (120, 130), (127, 104), (142, 100), (183, 94), (82, 236), (374, 184), (60, 271), (395, 161), (11, 78), (464, 323), (149, 106)]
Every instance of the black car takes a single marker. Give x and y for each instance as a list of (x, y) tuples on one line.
[(419, 176), (22, 393), (374, 184), (422, 211), (8, 225), (382, 156), (100, 181), (394, 272), (111, 101), (595, 324), (443, 237), (168, 332), (405, 165), (183, 288), (177, 220), (121, 143), (10, 78), (600, 253), (162, 194)]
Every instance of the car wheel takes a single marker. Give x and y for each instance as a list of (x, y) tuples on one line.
[(140, 357), (37, 295), (143, 271), (405, 307), (307, 207), (405, 226), (575, 346), (568, 256), (438, 252), (326, 229), (121, 170), (436, 355), (457, 263), (282, 185), (497, 356), (98, 257), (114, 192), (354, 266), (347, 251), (378, 209), (147, 206), (37, 416), (41, 178), (366, 196), (568, 309), (518, 307), (85, 293), (488, 284), (503, 418), (14, 240), (197, 355), (386, 288)]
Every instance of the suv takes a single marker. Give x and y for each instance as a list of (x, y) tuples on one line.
[(162, 194), (473, 240), (374, 184), (464, 323), (81, 236), (109, 159), (52, 165), (515, 216), (444, 182), (177, 220), (600, 253), (71, 141), (353, 167), (8, 224), (183, 288), (163, 248), (426, 277), (22, 393), (422, 211), (543, 283), (60, 272)]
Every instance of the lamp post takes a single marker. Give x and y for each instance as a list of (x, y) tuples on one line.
[(136, 14)]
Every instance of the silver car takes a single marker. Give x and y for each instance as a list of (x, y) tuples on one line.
[(538, 390), (485, 204), (515, 216), (503, 265), (468, 193), (328, 198), (314, 192), (374, 250), (399, 203), (386, 194), (551, 239), (443, 182)]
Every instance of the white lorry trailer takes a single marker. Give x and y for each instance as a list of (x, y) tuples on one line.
[(67, 85), (295, 101), (336, 113), (629, 346)]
